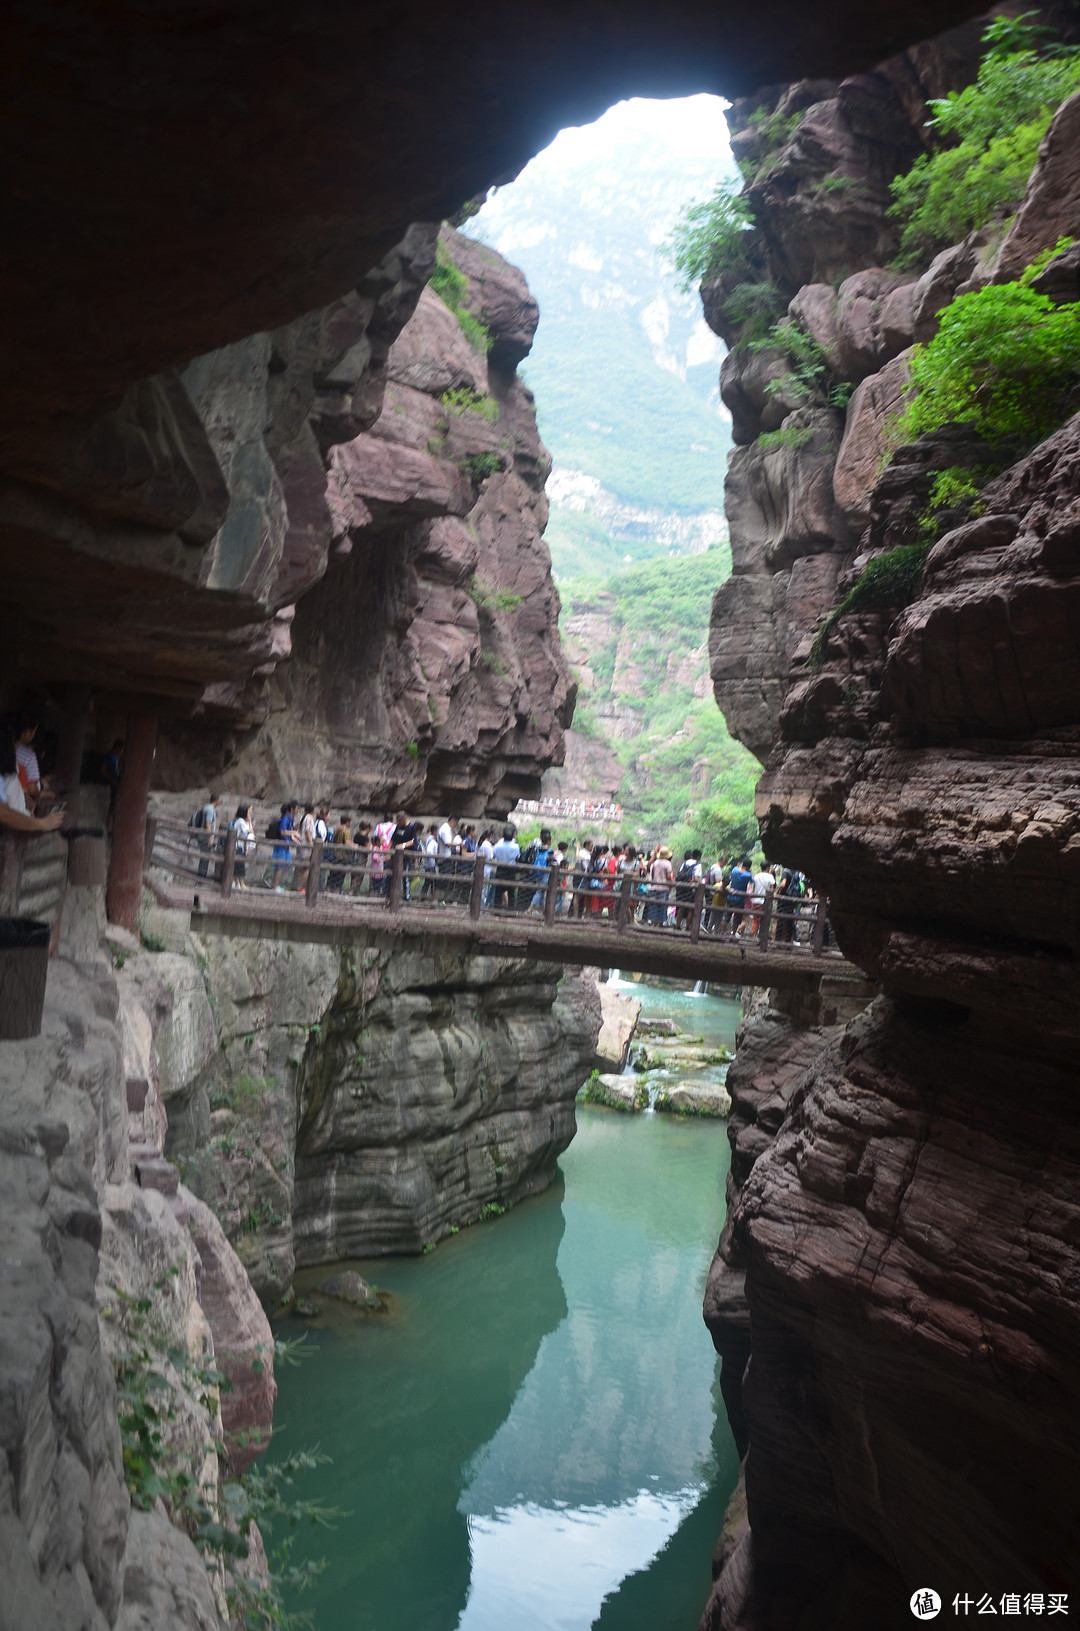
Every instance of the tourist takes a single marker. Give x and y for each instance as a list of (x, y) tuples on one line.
[(741, 879), (684, 889), (506, 853), (206, 820), (660, 878), (786, 897), (13, 810), (542, 861), (406, 837), (485, 849), (431, 861), (715, 895), (342, 853), (447, 845), (582, 867), (26, 764), (764, 886), (282, 832), (241, 825)]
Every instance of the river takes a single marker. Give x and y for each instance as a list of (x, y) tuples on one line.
[(532, 1436)]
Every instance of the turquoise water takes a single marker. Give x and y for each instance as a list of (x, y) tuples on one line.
[(532, 1437)]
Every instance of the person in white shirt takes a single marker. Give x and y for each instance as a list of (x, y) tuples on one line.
[(13, 811), (505, 853), (764, 884), (432, 851), (486, 851), (241, 824)]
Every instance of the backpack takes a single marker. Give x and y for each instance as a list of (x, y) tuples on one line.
[(273, 828), (531, 852), (199, 818), (685, 873)]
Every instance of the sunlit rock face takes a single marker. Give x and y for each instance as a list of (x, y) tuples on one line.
[(895, 1291)]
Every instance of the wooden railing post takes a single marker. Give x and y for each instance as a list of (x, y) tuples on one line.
[(229, 863), (397, 873), (626, 898), (765, 920), (695, 915), (551, 898), (314, 872), (476, 889), (817, 939)]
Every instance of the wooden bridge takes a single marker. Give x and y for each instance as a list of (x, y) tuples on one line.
[(478, 909)]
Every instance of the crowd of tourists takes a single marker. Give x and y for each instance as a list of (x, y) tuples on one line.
[(439, 858), (570, 809)]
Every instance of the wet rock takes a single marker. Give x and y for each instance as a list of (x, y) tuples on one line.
[(613, 1092), (350, 1288), (694, 1099), (618, 1021), (657, 1027)]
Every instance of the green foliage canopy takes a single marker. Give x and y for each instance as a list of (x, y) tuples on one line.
[(708, 237), (992, 130), (1004, 359)]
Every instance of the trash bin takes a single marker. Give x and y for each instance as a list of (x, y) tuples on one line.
[(88, 861), (24, 964)]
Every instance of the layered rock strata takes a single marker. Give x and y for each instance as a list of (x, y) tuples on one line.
[(894, 1293), (328, 1103), (92, 1245), (425, 666)]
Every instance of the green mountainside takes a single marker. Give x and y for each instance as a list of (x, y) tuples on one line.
[(626, 378), (624, 368), (638, 643)]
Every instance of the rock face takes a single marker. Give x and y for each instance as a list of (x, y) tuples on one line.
[(80, 1237), (898, 1376), (426, 668), (354, 1102)]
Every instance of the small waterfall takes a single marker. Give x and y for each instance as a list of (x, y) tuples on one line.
[(613, 976), (699, 988)]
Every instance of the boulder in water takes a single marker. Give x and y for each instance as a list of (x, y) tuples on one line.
[(615, 1092), (348, 1287), (694, 1099)]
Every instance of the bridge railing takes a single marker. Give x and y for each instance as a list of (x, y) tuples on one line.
[(404, 880)]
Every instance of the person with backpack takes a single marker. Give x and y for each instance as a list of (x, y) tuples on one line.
[(282, 832), (204, 821), (541, 861), (741, 880), (684, 890)]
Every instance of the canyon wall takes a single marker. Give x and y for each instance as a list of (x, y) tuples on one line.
[(329, 1102), (425, 666), (110, 1269), (895, 1293)]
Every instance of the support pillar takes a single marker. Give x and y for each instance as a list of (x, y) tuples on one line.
[(124, 888)]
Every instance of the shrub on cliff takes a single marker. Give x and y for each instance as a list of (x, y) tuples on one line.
[(1004, 359), (990, 133), (708, 238), (451, 285)]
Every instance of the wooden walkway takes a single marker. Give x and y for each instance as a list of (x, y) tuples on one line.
[(464, 914)]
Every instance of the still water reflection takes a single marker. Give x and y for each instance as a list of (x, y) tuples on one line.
[(531, 1437)]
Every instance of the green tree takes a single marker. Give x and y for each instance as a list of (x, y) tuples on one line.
[(708, 238), (1004, 359), (990, 134)]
